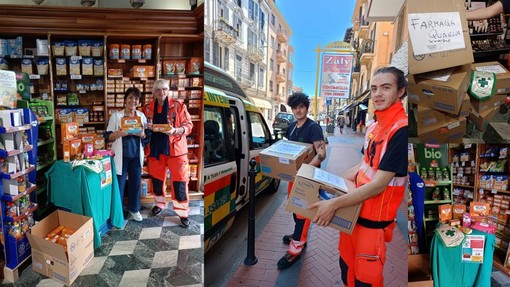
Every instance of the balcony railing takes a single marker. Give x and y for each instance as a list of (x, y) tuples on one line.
[(280, 56), (363, 28), (282, 36), (280, 77), (256, 54), (245, 81), (367, 52), (225, 32)]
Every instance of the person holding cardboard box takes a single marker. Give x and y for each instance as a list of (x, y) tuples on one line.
[(493, 10), (128, 142), (380, 180), (307, 131), (168, 149)]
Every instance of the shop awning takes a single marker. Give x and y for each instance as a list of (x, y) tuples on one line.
[(384, 10), (363, 97), (262, 104), (346, 107)]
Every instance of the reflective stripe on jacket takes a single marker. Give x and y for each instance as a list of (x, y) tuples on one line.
[(384, 206)]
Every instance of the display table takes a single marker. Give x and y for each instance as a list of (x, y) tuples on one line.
[(448, 269), (86, 192)]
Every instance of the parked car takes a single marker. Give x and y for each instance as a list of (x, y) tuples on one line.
[(282, 122)]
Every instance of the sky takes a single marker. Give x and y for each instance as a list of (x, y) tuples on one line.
[(313, 23)]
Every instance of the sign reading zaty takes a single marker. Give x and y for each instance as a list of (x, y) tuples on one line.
[(435, 32)]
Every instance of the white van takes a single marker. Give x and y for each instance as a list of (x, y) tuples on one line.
[(234, 132)]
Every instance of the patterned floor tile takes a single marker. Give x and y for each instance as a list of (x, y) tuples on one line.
[(150, 233), (165, 259), (94, 266), (190, 242), (123, 247), (135, 278), (141, 254)]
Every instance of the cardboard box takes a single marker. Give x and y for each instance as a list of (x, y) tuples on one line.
[(426, 117), (284, 158), (482, 120), (161, 128), (310, 185), (493, 102), (50, 259), (449, 132), (131, 125), (430, 91), (502, 75), (436, 61), (142, 71)]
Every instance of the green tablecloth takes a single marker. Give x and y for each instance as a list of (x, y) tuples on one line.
[(79, 190), (448, 269)]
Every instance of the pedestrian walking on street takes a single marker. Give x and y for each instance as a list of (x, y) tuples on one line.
[(380, 180), (307, 131), (341, 123)]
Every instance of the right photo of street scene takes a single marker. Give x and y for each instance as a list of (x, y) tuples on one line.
[(459, 138)]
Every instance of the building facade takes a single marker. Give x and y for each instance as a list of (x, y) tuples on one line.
[(250, 40)]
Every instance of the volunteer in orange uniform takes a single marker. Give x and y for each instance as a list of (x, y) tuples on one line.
[(307, 131), (169, 150), (380, 181)]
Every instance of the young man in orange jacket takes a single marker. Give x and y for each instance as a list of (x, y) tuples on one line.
[(380, 179), (169, 150)]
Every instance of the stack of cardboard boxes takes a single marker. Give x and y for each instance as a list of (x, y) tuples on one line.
[(439, 82)]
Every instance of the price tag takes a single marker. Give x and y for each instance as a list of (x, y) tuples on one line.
[(34, 77), (141, 61), (494, 191), (121, 61), (143, 79), (15, 56), (75, 58), (28, 56), (75, 77), (126, 79), (466, 146), (82, 91)]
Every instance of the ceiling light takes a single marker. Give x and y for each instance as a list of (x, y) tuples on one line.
[(38, 2), (88, 3), (137, 3)]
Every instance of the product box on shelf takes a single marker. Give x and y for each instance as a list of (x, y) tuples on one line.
[(502, 75), (50, 258), (8, 91), (442, 90), (448, 132), (284, 158), (435, 61), (426, 117), (482, 120), (493, 102), (313, 184), (11, 118), (142, 71)]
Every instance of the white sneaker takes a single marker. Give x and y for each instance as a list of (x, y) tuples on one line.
[(136, 216)]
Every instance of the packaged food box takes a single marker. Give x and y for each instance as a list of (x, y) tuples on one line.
[(131, 125)]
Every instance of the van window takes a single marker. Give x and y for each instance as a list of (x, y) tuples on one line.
[(215, 150), (260, 136)]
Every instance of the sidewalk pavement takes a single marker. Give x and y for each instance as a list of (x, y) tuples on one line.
[(318, 265)]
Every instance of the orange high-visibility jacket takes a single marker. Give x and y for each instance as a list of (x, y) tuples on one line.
[(178, 143), (384, 206)]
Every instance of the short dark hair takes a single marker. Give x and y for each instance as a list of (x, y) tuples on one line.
[(297, 99), (133, 90), (399, 77)]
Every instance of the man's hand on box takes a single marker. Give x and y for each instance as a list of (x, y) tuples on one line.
[(325, 211), (171, 132)]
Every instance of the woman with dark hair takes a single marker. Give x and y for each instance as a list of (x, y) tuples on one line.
[(128, 150)]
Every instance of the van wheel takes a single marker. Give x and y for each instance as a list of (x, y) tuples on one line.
[(273, 186)]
